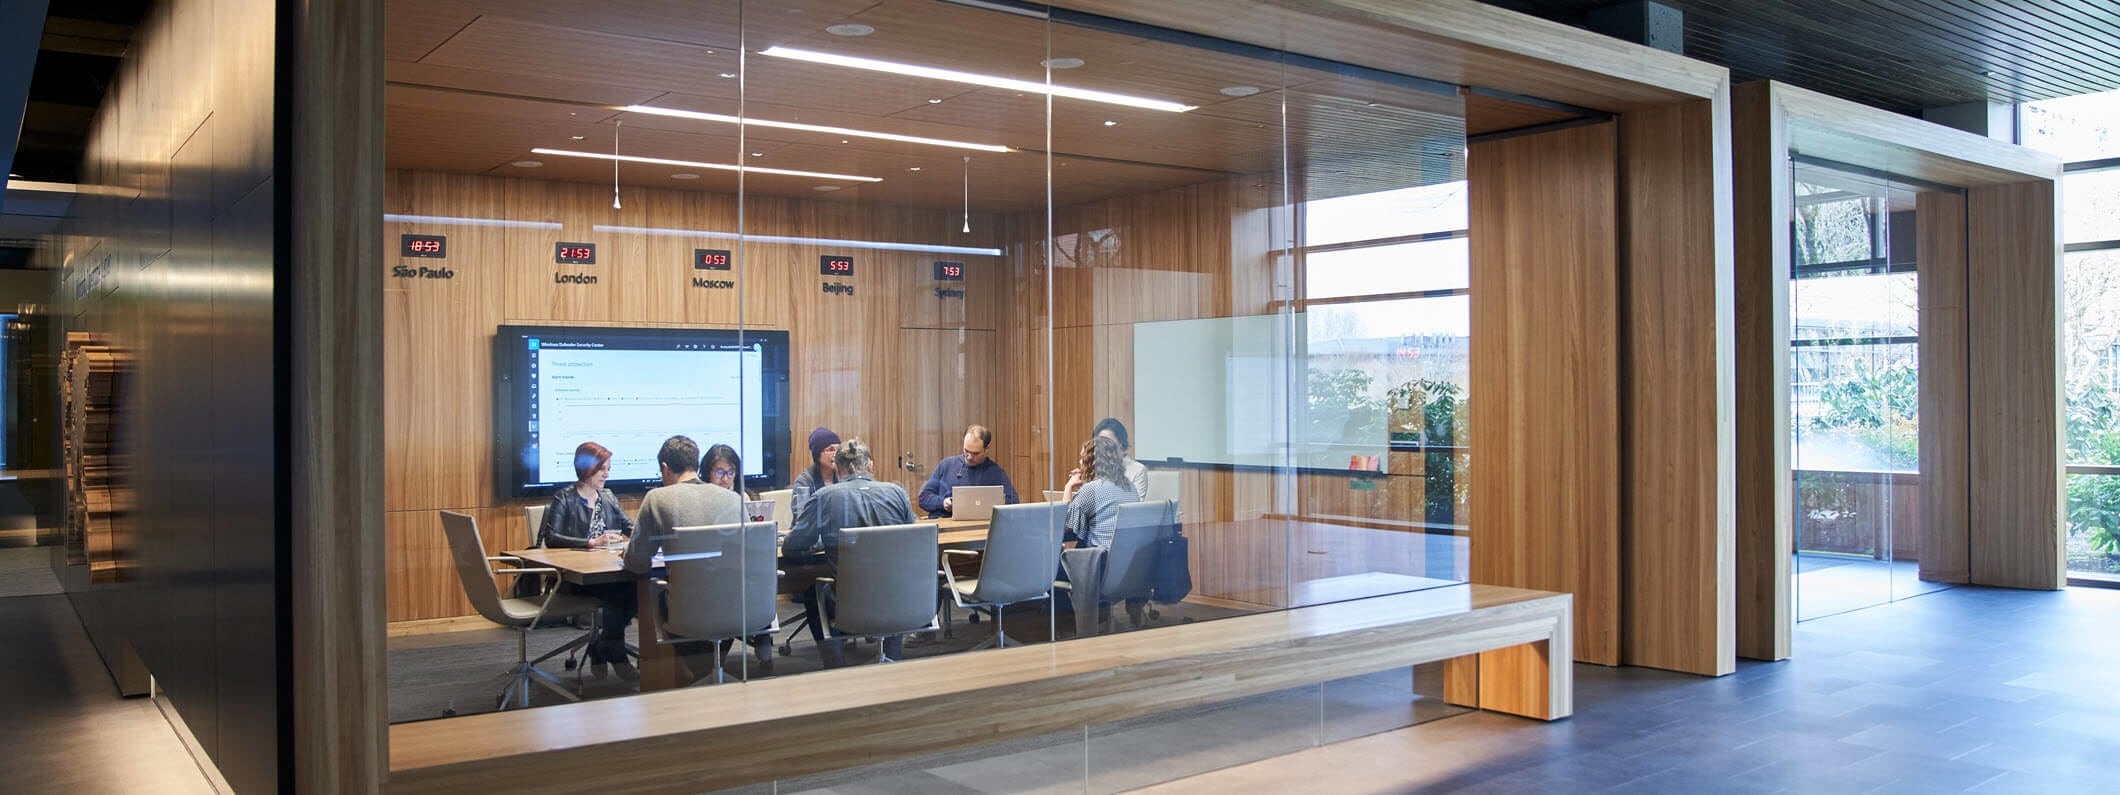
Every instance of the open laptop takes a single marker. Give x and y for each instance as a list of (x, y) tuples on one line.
[(975, 502)]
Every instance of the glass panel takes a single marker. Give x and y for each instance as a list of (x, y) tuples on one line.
[(2092, 391), (1402, 268), (2076, 128), (1375, 507), (2094, 525), (1854, 391), (1418, 210), (2090, 207)]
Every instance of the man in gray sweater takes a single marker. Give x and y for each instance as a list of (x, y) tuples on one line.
[(683, 500)]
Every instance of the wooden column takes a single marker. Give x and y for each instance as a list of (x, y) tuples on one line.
[(1544, 391), (332, 363), (1940, 251), (1760, 175), (2013, 329), (1677, 363)]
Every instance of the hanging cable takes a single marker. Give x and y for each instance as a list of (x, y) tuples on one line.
[(615, 124), (967, 194)]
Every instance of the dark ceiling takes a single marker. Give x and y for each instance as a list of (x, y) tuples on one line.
[(1902, 55), (78, 55)]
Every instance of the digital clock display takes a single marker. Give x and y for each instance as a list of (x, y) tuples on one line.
[(574, 253), (835, 265), (423, 246), (710, 259), (949, 271)]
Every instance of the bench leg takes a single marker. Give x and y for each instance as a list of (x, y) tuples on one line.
[(1533, 680)]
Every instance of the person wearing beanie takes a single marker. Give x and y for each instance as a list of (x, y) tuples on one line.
[(822, 472)]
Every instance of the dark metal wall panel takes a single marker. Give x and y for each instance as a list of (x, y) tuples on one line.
[(1902, 55), (186, 138)]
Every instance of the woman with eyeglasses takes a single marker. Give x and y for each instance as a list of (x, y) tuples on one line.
[(723, 468)]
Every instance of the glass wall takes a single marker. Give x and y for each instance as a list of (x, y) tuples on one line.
[(1854, 377), (2086, 131), (1016, 330)]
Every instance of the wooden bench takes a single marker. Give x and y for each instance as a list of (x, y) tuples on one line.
[(1508, 650)]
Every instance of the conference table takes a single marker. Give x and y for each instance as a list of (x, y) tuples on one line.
[(659, 666)]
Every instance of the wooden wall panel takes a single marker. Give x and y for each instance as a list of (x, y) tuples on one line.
[(1946, 454), (1678, 349), (1544, 414), (1760, 173), (2013, 325)]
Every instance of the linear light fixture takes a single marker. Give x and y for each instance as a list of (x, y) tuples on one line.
[(818, 128), (972, 78), (880, 245), (450, 220), (663, 161)]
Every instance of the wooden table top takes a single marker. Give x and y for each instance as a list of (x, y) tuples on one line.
[(597, 563)]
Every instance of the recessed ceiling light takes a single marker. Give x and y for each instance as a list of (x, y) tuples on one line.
[(789, 125), (1110, 123), (662, 161), (849, 29), (1061, 63), (527, 163), (825, 188), (728, 74), (1240, 91), (915, 168), (758, 154), (576, 137), (934, 101), (845, 141), (684, 175), (989, 81), (1376, 104)]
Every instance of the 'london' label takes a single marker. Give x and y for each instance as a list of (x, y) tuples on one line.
[(409, 272), (839, 289), (713, 284), (573, 278)]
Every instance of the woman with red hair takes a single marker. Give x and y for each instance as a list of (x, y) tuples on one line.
[(585, 514)]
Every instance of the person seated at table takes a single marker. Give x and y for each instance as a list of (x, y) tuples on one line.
[(725, 469), (585, 514), (822, 471), (1095, 490), (683, 500), (974, 468), (1111, 428), (855, 500)]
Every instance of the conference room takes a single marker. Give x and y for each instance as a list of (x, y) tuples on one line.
[(1203, 307)]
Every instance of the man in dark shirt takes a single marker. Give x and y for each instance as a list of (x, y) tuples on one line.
[(974, 468), (856, 500)]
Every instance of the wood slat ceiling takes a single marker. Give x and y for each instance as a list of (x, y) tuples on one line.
[(1901, 55), (476, 84)]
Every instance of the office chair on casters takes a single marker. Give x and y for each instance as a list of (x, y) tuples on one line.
[(719, 585), (885, 587), (474, 570), (1022, 552), (1128, 568)]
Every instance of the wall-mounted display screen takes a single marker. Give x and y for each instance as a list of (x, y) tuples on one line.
[(423, 246), (949, 271), (629, 389), (835, 265), (574, 253), (711, 259)]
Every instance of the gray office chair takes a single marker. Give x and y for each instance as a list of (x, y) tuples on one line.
[(1127, 571), (720, 583), (474, 570), (885, 584), (535, 515), (1022, 552)]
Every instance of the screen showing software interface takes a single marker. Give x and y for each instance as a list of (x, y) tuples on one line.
[(629, 397)]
